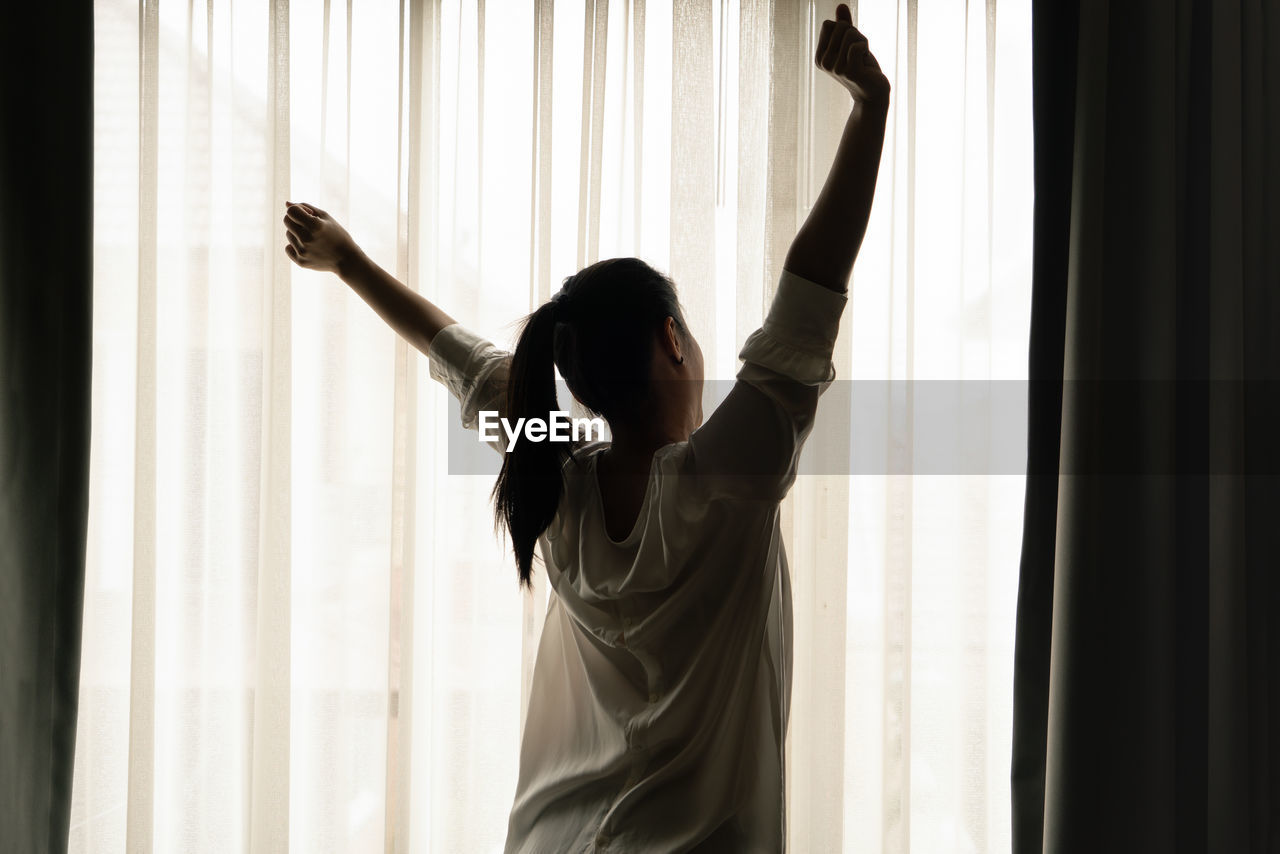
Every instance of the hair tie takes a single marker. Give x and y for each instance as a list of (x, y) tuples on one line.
[(559, 304)]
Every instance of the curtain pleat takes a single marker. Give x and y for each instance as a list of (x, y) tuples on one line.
[(403, 486), (692, 146), (416, 106), (1251, 28), (142, 670), (595, 56), (270, 780), (422, 95), (480, 161), (47, 103), (897, 782), (753, 149), (1231, 818), (637, 19)]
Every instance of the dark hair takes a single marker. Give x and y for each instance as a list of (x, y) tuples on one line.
[(598, 330)]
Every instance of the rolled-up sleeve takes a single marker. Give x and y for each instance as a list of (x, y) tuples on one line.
[(750, 445), (799, 332), (473, 369)]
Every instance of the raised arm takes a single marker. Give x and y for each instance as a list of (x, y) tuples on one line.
[(749, 447), (318, 242), (826, 245)]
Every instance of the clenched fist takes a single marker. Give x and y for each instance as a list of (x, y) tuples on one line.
[(316, 240), (843, 53)]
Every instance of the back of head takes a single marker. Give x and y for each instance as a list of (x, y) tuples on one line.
[(599, 331)]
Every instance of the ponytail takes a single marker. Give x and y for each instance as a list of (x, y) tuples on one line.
[(599, 331), (530, 485)]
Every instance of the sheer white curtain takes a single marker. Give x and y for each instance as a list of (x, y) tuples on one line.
[(300, 631)]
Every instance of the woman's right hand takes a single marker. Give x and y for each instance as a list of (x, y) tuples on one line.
[(316, 240), (843, 53)]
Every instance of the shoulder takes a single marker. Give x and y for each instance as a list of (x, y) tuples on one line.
[(582, 455)]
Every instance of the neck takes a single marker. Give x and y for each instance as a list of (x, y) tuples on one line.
[(640, 444)]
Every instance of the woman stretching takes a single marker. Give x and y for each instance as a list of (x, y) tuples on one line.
[(662, 683)]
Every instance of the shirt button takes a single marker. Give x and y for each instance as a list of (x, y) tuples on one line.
[(653, 697)]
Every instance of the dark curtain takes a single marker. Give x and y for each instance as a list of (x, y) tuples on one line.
[(46, 203), (1147, 664)]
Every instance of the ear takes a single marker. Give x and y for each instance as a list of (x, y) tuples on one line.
[(672, 344)]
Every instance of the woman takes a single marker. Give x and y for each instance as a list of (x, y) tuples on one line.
[(662, 682)]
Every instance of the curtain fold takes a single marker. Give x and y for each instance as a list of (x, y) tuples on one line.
[(46, 230), (1146, 666), (300, 630), (141, 783), (1054, 32), (273, 663)]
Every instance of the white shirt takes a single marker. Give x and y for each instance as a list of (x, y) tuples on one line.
[(662, 682)]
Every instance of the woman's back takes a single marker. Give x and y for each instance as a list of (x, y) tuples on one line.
[(661, 687), (658, 712)]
